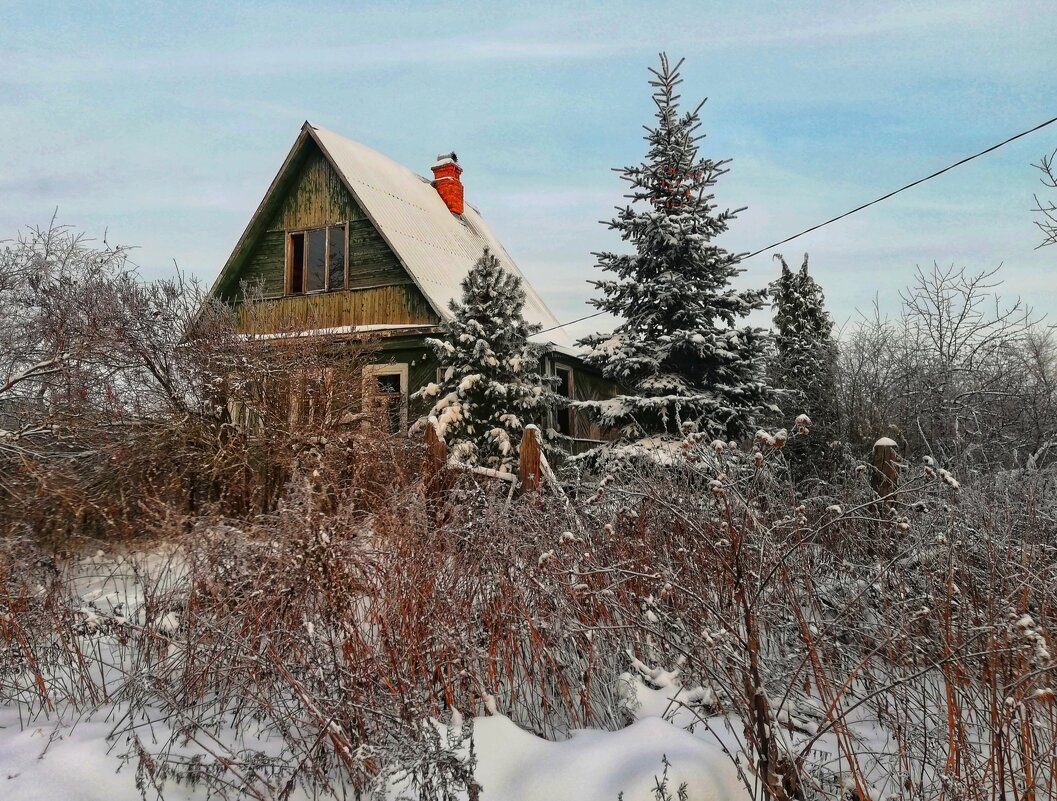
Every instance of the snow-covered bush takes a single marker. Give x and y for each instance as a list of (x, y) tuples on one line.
[(119, 395), (829, 641), (846, 646), (958, 373), (804, 364)]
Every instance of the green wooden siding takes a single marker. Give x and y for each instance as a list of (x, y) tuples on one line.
[(371, 261), (316, 197), (266, 263), (313, 195), (386, 305)]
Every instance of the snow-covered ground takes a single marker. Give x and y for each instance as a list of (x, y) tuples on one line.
[(73, 755), (62, 761)]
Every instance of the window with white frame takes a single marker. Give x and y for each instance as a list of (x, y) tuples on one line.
[(385, 395)]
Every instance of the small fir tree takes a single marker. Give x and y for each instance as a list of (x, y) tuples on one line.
[(805, 360), (683, 353), (490, 389)]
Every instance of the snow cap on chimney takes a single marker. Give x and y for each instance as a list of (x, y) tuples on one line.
[(446, 181)]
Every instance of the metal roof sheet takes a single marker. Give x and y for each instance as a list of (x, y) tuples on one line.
[(437, 248)]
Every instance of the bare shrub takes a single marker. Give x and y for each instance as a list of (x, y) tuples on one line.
[(958, 375), (833, 642), (847, 644), (342, 631), (1047, 209), (119, 395), (309, 612)]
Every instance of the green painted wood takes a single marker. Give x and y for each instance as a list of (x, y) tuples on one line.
[(371, 261), (312, 194), (400, 304), (266, 263), (316, 197)]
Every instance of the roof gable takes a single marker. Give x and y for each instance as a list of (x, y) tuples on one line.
[(307, 192), (435, 247)]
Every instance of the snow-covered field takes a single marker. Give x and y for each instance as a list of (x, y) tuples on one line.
[(66, 753), (284, 662), (75, 761)]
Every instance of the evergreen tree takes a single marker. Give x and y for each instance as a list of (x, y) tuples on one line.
[(805, 363), (683, 353), (490, 388)]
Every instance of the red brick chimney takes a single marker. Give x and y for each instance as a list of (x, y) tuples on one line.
[(446, 181)]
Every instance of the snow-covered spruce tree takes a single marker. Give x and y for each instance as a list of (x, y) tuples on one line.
[(680, 354), (490, 389), (805, 361)]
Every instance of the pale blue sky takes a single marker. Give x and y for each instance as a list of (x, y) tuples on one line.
[(165, 123)]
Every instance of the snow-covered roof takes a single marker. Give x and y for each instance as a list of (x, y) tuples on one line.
[(436, 247)]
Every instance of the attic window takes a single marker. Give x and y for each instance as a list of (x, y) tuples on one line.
[(317, 260)]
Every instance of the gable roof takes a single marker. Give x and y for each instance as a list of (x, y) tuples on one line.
[(436, 247)]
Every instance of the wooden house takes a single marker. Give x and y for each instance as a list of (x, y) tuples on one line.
[(348, 244)]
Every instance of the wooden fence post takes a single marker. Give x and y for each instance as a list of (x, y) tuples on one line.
[(886, 468), (436, 451), (437, 482), (529, 471)]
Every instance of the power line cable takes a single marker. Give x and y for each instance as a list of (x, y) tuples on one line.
[(873, 202), (904, 188)]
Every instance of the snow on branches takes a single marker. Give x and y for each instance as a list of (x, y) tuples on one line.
[(683, 354), (804, 367), (489, 389)]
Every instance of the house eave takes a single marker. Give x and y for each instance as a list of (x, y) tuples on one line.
[(343, 333)]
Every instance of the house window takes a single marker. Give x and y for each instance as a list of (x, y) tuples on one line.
[(316, 259), (385, 395), (565, 389), (295, 271)]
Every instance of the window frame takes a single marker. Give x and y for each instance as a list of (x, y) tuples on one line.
[(567, 411), (288, 271), (371, 372)]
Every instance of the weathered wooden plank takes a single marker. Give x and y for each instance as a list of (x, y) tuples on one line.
[(267, 263), (371, 261), (379, 305), (317, 197), (530, 470)]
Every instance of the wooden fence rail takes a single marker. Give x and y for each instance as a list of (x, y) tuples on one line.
[(532, 473)]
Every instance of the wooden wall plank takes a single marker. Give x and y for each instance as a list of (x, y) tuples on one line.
[(316, 196), (267, 263), (377, 305)]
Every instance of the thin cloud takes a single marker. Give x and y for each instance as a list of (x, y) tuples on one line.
[(270, 61)]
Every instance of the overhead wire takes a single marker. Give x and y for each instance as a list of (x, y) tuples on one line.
[(859, 208)]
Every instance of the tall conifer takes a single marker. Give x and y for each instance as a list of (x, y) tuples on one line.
[(683, 352), (805, 361)]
